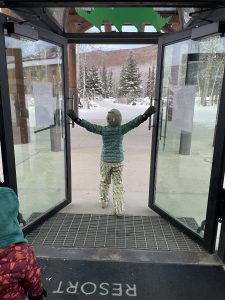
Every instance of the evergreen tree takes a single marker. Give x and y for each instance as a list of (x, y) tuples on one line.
[(130, 79), (122, 91), (105, 92), (93, 82), (83, 70), (150, 84), (110, 84), (81, 80)]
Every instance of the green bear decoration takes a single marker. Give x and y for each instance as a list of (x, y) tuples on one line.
[(118, 16)]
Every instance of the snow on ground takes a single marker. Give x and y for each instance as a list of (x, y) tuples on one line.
[(202, 115), (103, 106), (99, 108), (205, 115)]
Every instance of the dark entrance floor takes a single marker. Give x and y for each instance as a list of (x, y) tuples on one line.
[(103, 257), (79, 279)]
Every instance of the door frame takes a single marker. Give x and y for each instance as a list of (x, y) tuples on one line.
[(6, 134), (216, 179), (7, 144), (6, 131)]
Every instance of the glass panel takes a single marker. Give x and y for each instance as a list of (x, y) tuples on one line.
[(192, 80), (1, 166), (37, 101)]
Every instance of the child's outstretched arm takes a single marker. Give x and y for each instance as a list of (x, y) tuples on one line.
[(150, 111), (83, 123), (138, 120), (73, 116)]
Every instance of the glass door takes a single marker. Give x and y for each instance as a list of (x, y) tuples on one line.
[(189, 90), (37, 87)]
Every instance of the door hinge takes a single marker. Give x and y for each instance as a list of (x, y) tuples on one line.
[(221, 208)]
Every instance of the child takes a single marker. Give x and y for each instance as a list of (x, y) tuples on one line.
[(20, 275), (112, 152)]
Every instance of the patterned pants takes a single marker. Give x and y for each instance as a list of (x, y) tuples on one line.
[(19, 272), (112, 171)]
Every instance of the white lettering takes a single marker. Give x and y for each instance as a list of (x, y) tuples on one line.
[(58, 290), (72, 289), (90, 288), (131, 291), (88, 292), (105, 290), (118, 289)]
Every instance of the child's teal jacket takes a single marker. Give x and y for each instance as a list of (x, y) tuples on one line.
[(112, 136), (10, 231)]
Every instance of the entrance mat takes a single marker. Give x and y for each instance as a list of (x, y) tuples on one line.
[(65, 280), (151, 233)]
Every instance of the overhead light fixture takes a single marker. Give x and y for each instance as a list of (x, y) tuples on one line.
[(22, 30)]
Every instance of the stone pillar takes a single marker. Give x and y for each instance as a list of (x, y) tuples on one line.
[(185, 143)]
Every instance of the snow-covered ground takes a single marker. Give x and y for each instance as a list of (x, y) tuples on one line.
[(102, 107), (202, 115), (205, 115)]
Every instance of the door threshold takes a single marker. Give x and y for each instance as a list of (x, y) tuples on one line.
[(128, 255)]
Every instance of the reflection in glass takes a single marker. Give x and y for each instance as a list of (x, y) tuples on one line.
[(192, 80), (37, 100)]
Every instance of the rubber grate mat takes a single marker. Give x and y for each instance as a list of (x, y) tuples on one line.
[(107, 231)]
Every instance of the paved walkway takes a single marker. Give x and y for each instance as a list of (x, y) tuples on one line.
[(85, 157)]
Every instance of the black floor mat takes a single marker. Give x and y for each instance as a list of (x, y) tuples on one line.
[(96, 280)]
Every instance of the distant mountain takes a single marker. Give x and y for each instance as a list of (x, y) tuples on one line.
[(145, 56)]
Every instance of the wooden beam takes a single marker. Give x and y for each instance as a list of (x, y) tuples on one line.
[(174, 21), (108, 27), (75, 18), (143, 27), (83, 27), (21, 128), (175, 17), (167, 28), (10, 13), (72, 69)]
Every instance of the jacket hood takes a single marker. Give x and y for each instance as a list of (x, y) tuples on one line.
[(10, 231)]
